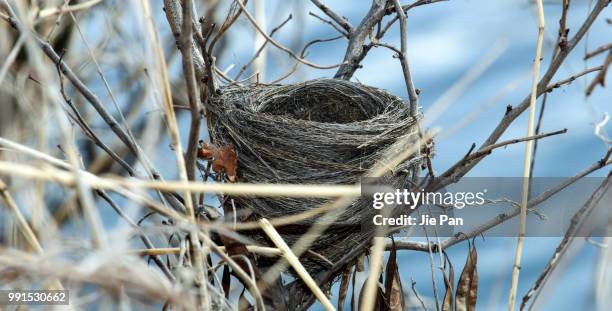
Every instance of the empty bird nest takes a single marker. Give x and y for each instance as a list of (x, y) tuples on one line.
[(323, 131)]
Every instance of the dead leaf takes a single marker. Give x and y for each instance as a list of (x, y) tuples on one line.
[(344, 285), (206, 152), (467, 287), (394, 293), (449, 281), (379, 304), (224, 159), (225, 281)]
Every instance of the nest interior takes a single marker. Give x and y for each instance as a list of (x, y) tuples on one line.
[(319, 131)]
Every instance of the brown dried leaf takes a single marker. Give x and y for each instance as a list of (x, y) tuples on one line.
[(223, 159), (344, 285), (394, 293), (380, 304), (467, 287), (449, 281), (226, 280), (206, 152)]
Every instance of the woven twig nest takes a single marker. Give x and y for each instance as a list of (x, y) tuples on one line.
[(323, 131)]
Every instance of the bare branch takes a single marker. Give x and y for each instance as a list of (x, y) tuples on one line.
[(343, 22), (575, 225), (572, 78), (412, 94), (263, 45), (330, 23), (357, 49), (598, 51), (278, 45)]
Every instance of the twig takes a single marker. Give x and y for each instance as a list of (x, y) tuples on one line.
[(488, 149), (188, 169), (236, 189), (47, 12), (598, 51), (261, 48), (242, 275), (89, 131), (295, 263), (537, 131), (527, 160), (416, 294), (573, 77), (338, 19), (259, 250), (186, 43), (375, 266), (103, 78), (561, 43), (24, 227), (405, 8), (147, 242), (432, 269), (412, 95), (575, 225), (601, 76), (356, 50), (342, 32), (278, 45)]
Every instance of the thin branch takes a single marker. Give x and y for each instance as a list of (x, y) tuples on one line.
[(356, 49), (293, 260), (575, 224), (147, 242), (47, 12), (488, 149), (527, 158), (186, 43), (343, 22), (598, 51), (600, 79), (537, 131), (416, 294), (330, 23), (278, 45), (405, 8), (24, 226), (572, 78), (261, 48), (403, 56), (89, 131)]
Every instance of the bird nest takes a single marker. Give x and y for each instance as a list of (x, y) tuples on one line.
[(322, 131)]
